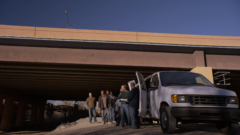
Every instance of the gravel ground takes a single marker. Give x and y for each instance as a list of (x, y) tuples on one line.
[(83, 127)]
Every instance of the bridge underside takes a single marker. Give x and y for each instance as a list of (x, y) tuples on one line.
[(74, 82), (68, 81)]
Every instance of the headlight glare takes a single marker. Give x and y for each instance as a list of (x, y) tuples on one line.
[(232, 100), (181, 98)]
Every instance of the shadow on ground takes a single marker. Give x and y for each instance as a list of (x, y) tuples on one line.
[(43, 129)]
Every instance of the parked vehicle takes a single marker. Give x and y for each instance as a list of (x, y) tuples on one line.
[(187, 97)]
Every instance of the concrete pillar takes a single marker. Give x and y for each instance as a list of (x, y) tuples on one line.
[(41, 114), (198, 57), (7, 115), (20, 114), (34, 112), (205, 71), (1, 105)]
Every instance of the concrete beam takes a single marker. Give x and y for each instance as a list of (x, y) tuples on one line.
[(223, 62), (96, 57), (124, 36), (7, 115)]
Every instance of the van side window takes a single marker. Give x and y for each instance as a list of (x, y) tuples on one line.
[(155, 80), (142, 83)]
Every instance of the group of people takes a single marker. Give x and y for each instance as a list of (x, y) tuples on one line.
[(126, 105)]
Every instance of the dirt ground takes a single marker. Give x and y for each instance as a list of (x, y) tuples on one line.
[(83, 127)]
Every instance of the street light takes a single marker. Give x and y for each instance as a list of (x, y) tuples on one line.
[(68, 24)]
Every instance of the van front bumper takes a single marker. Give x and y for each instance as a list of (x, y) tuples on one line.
[(205, 114)]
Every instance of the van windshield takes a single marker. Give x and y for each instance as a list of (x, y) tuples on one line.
[(183, 78)]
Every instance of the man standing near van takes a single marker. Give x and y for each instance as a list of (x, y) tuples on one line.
[(108, 119), (91, 104), (124, 105), (118, 106), (133, 100), (103, 103), (112, 108)]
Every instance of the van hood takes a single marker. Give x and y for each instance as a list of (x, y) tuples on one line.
[(201, 90)]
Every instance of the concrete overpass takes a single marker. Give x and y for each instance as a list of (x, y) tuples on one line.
[(39, 64)]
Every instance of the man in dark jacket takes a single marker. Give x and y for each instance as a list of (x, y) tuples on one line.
[(112, 108), (103, 103), (118, 106), (133, 100)]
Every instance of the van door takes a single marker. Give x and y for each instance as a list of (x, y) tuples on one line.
[(154, 84), (129, 84), (142, 95)]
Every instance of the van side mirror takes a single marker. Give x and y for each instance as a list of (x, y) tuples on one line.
[(153, 85)]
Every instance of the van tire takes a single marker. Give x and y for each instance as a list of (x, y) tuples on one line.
[(142, 121), (168, 122), (228, 128), (150, 121)]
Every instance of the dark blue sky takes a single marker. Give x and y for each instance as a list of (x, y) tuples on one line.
[(199, 17)]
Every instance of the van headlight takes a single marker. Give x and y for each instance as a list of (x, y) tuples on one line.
[(233, 100), (178, 98), (181, 98)]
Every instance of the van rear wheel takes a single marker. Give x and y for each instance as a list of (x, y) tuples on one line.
[(228, 128), (142, 121), (168, 122)]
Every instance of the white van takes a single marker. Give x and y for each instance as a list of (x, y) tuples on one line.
[(187, 97)]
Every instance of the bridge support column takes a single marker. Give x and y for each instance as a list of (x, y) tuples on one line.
[(7, 115), (198, 57), (34, 112), (41, 114), (1, 105), (205, 71), (20, 114)]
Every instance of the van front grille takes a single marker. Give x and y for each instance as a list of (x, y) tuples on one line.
[(208, 100)]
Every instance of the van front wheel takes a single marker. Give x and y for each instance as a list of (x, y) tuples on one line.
[(168, 122)]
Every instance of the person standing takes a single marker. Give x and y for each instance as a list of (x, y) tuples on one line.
[(124, 104), (133, 100), (112, 108), (118, 106), (103, 102), (91, 104), (108, 119)]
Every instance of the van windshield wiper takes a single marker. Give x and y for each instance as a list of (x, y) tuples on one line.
[(175, 84), (198, 84)]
